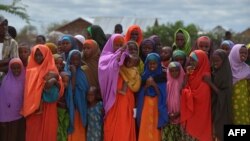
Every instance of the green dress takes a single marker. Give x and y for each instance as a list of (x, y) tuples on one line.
[(241, 102)]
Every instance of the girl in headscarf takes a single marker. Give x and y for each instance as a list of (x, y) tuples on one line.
[(12, 123), (204, 43), (147, 46), (76, 97), (227, 46), (151, 106), (196, 99), (42, 126), (134, 33), (180, 56), (222, 87), (158, 44), (182, 41), (117, 125), (175, 75), (68, 43), (90, 58), (133, 49), (166, 57), (96, 33), (241, 76)]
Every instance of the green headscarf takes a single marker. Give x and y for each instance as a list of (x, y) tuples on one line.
[(187, 44)]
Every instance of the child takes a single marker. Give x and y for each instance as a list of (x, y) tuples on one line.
[(59, 62), (134, 33), (76, 97), (175, 75), (151, 106), (166, 57), (182, 41), (222, 92), (227, 46), (147, 46), (241, 76), (24, 53), (133, 49), (180, 56), (196, 99), (42, 125), (95, 116), (12, 123), (130, 62)]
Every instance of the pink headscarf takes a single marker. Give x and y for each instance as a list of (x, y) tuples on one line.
[(174, 90)]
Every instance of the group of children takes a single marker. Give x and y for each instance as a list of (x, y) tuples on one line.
[(125, 88)]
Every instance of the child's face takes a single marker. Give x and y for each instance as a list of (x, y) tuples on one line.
[(204, 45), (132, 49), (59, 64), (152, 65), (80, 45), (16, 69), (87, 50), (131, 62), (75, 60), (134, 35), (192, 62), (180, 60), (91, 97), (39, 57), (118, 43), (65, 79), (226, 48), (180, 40), (39, 40), (217, 61), (243, 54), (165, 54), (24, 53), (66, 45), (147, 48), (174, 72)]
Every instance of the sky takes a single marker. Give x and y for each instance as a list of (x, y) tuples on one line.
[(230, 14)]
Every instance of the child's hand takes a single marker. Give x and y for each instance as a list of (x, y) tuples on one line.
[(72, 68)]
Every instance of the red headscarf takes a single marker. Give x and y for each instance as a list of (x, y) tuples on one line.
[(134, 28), (34, 82)]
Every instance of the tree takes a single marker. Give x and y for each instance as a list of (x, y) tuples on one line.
[(53, 26), (16, 8), (166, 31), (27, 34)]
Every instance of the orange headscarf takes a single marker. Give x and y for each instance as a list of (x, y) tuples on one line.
[(134, 28), (34, 82)]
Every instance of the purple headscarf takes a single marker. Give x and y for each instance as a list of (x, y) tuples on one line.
[(108, 72), (240, 70), (11, 94)]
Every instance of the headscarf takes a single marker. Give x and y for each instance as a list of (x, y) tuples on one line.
[(91, 67), (80, 38), (141, 64), (174, 89), (11, 93), (108, 72), (229, 43), (34, 82), (98, 35), (222, 101), (134, 28), (196, 100), (78, 99), (148, 40), (52, 47), (162, 108), (204, 39), (240, 70), (187, 46), (180, 53), (72, 41)]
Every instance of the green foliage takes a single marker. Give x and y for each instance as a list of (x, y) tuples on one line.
[(16, 8), (27, 34), (166, 31)]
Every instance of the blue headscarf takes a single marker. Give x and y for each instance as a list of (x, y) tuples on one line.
[(73, 43), (163, 113), (76, 100)]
